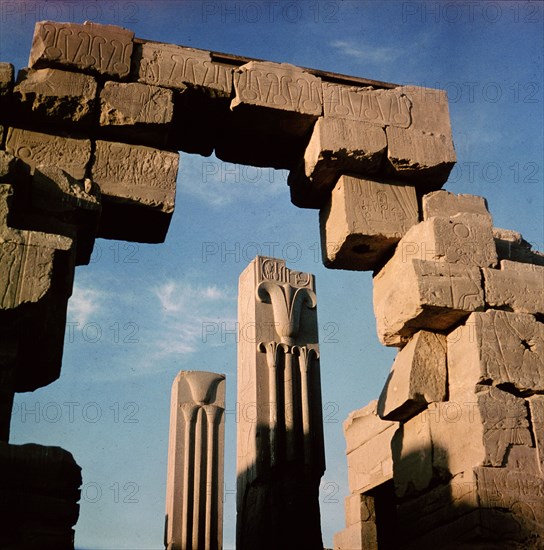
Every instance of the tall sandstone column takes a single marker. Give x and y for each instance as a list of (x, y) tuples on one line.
[(194, 490), (280, 426)]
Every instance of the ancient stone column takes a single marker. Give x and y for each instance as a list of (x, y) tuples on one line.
[(194, 490), (280, 425)]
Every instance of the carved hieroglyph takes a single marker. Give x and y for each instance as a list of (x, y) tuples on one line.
[(280, 432), (194, 490), (363, 220), (102, 49)]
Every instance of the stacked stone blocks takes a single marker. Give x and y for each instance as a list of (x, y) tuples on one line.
[(463, 403)]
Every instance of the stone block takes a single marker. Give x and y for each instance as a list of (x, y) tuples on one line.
[(376, 106), (285, 100), (418, 156), (56, 96), (180, 68), (429, 110), (436, 507), (362, 425), (35, 286), (484, 426), (133, 103), (66, 206), (368, 440), (517, 491), (536, 408), (39, 496), (294, 95), (418, 377), (202, 88), (464, 239), (412, 452), (35, 148), (512, 246), (359, 536), (497, 347), (412, 294), (515, 287), (138, 186), (359, 507), (363, 220), (445, 204), (337, 146), (93, 48)]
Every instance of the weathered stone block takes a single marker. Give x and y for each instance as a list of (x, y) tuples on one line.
[(39, 495), (484, 425), (419, 156), (35, 148), (411, 294), (99, 49), (463, 238), (429, 110), (35, 286), (380, 107), (436, 507), (281, 87), (412, 452), (71, 207), (357, 536), (58, 96), (359, 507), (363, 220), (127, 104), (496, 347), (138, 186), (285, 100), (362, 425), (517, 287), (180, 68), (368, 440), (337, 146), (512, 246), (536, 408), (418, 377), (445, 204), (517, 491)]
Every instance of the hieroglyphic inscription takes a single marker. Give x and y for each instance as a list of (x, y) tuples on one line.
[(383, 107), (137, 172), (516, 490), (380, 208), (272, 269), (134, 103), (504, 419), (34, 148), (500, 347), (179, 67), (104, 49), (279, 86)]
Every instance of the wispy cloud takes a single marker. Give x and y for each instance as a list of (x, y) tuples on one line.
[(186, 309), (363, 52), (85, 304)]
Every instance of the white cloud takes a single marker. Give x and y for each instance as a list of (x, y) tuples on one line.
[(85, 304), (362, 52), (185, 310)]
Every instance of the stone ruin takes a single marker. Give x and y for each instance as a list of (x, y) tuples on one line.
[(451, 454)]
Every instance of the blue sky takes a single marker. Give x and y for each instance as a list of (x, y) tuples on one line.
[(141, 313)]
